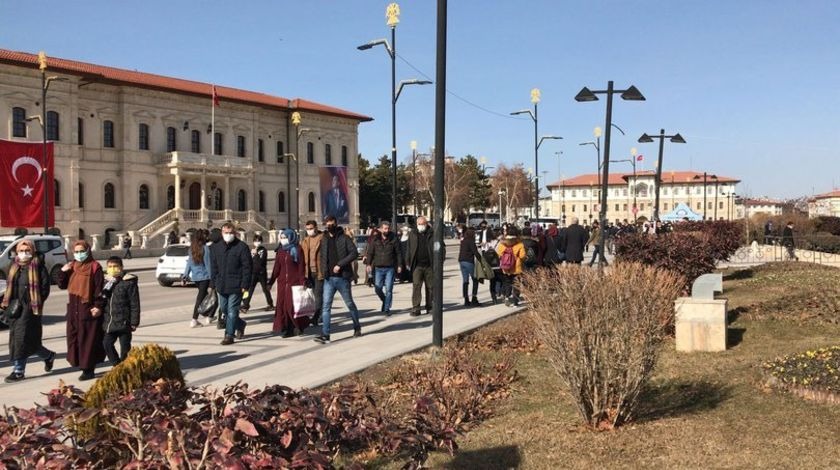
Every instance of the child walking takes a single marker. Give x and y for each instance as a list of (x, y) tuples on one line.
[(122, 309)]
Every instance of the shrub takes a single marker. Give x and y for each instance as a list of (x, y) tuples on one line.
[(813, 374), (827, 224), (603, 332)]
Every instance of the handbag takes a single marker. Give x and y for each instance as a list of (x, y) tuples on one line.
[(209, 304), (14, 310), (303, 301)]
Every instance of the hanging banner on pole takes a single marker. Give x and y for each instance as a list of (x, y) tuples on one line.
[(22, 203), (334, 191)]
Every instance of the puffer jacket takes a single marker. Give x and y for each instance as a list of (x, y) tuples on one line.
[(121, 309)]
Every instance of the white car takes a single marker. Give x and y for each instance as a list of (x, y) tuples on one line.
[(172, 264)]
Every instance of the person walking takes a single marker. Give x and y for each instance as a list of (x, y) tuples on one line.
[(492, 258), (599, 246), (121, 310), (405, 275), (337, 256), (289, 270), (83, 279), (420, 257), (551, 256), (384, 259), (468, 255), (788, 242), (27, 288), (310, 249), (231, 269), (575, 240), (512, 255), (259, 275), (126, 244), (199, 271), (355, 265)]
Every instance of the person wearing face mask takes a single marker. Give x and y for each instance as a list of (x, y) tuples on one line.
[(121, 309), (384, 261), (405, 275), (259, 275), (83, 278), (289, 270), (28, 286), (419, 260), (468, 255), (337, 256), (311, 250), (230, 265)]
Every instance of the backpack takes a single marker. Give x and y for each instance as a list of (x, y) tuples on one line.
[(507, 262)]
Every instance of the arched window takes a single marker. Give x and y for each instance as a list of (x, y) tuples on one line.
[(108, 134), (310, 153), (196, 142), (57, 193), (260, 154), (18, 122), (143, 196), (80, 137), (311, 202), (108, 196), (217, 143), (344, 155), (261, 201), (641, 190), (218, 199), (240, 146), (143, 137), (281, 202), (81, 195), (52, 125), (241, 200), (170, 197), (328, 154), (281, 151), (171, 139)]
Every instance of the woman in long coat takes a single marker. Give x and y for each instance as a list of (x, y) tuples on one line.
[(289, 270), (29, 284), (83, 279)]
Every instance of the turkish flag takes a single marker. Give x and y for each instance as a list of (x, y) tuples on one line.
[(215, 97), (23, 183), (640, 158)]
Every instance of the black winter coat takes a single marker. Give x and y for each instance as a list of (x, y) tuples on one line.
[(411, 255), (260, 261), (231, 265), (25, 333), (573, 243), (121, 311), (384, 253), (346, 250)]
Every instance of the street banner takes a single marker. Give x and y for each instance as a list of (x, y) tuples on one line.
[(334, 200), (23, 183)]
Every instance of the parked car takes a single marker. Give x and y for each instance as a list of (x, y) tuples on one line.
[(361, 244), (50, 247), (172, 264)]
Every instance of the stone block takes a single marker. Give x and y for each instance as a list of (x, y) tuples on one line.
[(700, 324)]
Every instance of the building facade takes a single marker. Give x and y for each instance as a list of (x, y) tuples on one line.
[(580, 196), (141, 154), (827, 204), (764, 206)]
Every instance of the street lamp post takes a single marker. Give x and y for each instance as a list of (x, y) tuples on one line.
[(716, 195), (645, 138), (45, 175), (632, 162), (587, 95), (705, 176), (440, 150), (296, 120), (535, 99), (414, 174), (392, 13), (501, 210)]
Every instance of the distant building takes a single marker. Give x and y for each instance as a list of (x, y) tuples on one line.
[(827, 204), (764, 206)]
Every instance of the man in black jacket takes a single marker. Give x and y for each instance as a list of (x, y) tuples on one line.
[(787, 241), (230, 262), (420, 259), (574, 241), (259, 275), (337, 255), (384, 259)]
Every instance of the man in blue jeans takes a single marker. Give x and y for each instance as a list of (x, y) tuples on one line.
[(337, 255), (230, 262), (384, 258)]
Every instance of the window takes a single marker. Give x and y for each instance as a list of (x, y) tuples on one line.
[(18, 122), (170, 197), (666, 206), (171, 139), (108, 196), (310, 153), (699, 206), (583, 193), (573, 207), (624, 192), (108, 134), (584, 208), (311, 202), (143, 196), (261, 201), (281, 202), (217, 143), (52, 125), (241, 202), (143, 137), (195, 141), (81, 195), (328, 154), (574, 193), (344, 155), (720, 205), (563, 208), (280, 152), (260, 155), (616, 207), (665, 191), (625, 207), (240, 146), (80, 137), (57, 193), (708, 205)]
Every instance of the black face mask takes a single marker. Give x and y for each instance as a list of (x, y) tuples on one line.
[(331, 228)]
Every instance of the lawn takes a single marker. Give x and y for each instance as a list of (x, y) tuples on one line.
[(702, 410)]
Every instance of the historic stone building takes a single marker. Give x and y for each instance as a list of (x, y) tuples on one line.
[(137, 153)]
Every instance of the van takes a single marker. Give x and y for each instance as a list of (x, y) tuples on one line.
[(49, 247)]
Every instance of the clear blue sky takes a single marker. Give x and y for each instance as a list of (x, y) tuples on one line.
[(753, 85)]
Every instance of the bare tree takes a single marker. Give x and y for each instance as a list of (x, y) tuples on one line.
[(457, 187), (514, 182)]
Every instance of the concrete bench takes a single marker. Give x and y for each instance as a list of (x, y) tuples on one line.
[(701, 319)]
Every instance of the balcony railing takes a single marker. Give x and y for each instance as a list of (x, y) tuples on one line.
[(178, 159)]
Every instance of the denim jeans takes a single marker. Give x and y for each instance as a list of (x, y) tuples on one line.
[(229, 306), (331, 285), (385, 276), (467, 273), (19, 365)]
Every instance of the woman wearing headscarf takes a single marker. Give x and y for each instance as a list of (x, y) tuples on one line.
[(28, 286), (289, 270), (83, 279)]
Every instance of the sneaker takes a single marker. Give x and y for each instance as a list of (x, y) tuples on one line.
[(48, 362), (475, 302), (269, 308), (415, 313), (87, 375), (323, 339), (316, 320), (466, 302), (194, 323), (240, 332), (227, 341), (208, 321), (357, 333), (507, 302), (387, 313), (14, 377)]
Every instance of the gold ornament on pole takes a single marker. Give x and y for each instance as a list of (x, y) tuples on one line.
[(413, 145), (295, 118), (535, 95), (392, 13), (42, 61)]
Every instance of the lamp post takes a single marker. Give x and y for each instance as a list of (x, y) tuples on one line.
[(715, 178), (392, 13), (587, 95), (645, 138), (501, 210), (632, 162), (296, 120), (414, 174), (535, 99), (705, 176), (440, 147)]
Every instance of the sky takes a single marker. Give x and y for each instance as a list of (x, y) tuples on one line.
[(752, 85)]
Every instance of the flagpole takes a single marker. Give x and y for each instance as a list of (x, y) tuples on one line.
[(213, 122)]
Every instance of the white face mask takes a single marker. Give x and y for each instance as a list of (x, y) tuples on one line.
[(310, 232), (421, 228), (284, 241), (227, 237), (24, 257), (257, 244)]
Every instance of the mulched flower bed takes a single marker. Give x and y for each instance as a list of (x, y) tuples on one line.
[(813, 375)]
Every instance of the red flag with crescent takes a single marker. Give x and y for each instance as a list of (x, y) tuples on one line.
[(24, 183)]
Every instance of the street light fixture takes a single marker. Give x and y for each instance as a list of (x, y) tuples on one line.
[(711, 177), (296, 121), (632, 161), (646, 139), (587, 95)]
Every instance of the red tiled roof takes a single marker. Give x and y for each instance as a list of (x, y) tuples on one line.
[(114, 75), (835, 193), (620, 179), (762, 202)]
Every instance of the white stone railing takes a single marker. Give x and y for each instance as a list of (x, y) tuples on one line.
[(155, 225), (203, 159)]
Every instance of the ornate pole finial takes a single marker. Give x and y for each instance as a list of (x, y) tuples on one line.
[(392, 13), (535, 95), (42, 61), (295, 118)]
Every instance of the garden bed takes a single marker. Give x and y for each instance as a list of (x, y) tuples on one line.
[(813, 375)]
